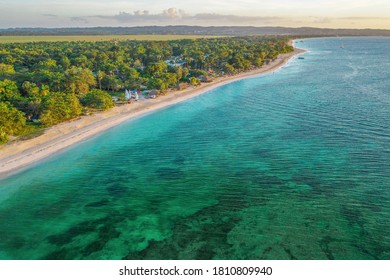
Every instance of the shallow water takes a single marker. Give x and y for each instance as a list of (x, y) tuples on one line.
[(291, 165)]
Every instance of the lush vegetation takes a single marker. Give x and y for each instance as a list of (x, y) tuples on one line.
[(46, 83), (193, 30), (97, 99), (12, 121), (93, 38)]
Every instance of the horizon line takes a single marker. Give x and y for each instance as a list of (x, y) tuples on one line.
[(198, 26)]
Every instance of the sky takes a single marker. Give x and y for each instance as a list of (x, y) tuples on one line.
[(288, 13)]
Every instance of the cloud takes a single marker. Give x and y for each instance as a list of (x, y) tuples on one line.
[(141, 13), (79, 19), (173, 16), (235, 19), (173, 13), (169, 14), (364, 18), (49, 15), (321, 20), (179, 16)]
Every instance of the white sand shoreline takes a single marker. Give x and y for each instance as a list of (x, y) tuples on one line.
[(18, 155)]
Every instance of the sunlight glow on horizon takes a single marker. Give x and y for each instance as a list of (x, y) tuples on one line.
[(288, 13)]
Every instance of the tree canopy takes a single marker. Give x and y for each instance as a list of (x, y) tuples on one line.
[(49, 82), (97, 99), (12, 121), (58, 107)]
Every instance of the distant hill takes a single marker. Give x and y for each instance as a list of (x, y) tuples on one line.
[(196, 30)]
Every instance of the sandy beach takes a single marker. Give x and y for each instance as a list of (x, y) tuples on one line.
[(18, 155)]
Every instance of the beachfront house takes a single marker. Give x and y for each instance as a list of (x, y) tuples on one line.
[(205, 78), (175, 61), (153, 94), (181, 86)]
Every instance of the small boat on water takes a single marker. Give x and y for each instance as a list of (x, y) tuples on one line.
[(301, 57)]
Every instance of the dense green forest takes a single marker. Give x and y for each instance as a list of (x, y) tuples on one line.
[(45, 83), (196, 30)]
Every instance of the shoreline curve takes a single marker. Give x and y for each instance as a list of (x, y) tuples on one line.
[(19, 155)]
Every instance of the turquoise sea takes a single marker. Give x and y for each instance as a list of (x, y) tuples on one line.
[(290, 165)]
